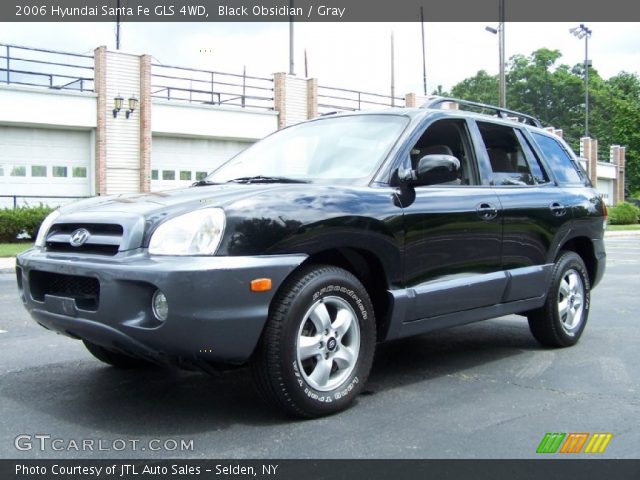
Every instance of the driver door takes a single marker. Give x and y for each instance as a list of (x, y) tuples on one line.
[(453, 232)]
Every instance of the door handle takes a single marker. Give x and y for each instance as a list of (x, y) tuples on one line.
[(487, 211), (557, 209)]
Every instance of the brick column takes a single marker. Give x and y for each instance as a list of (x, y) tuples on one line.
[(279, 97), (410, 100), (413, 100), (312, 97), (100, 86), (145, 123), (587, 148), (617, 157)]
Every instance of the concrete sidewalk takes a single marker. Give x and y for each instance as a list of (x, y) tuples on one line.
[(622, 233), (8, 264)]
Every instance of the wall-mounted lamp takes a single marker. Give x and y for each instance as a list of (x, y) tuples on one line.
[(133, 104), (117, 103)]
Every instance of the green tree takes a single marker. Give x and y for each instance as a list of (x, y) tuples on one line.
[(624, 127), (482, 88), (553, 92)]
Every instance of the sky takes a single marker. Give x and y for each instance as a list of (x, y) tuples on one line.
[(346, 55)]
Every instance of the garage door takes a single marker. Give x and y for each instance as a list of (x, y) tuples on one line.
[(605, 187), (180, 161), (44, 163)]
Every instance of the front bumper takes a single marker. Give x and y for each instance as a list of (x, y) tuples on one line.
[(213, 314)]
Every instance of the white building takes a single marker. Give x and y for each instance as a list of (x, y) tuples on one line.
[(81, 125)]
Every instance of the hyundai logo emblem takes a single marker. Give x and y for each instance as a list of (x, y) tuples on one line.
[(79, 237)]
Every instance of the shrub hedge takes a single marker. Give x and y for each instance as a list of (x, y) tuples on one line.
[(624, 213), (16, 222)]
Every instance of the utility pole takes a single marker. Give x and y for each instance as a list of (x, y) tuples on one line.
[(306, 67), (118, 26), (393, 75), (424, 54), (584, 32), (503, 82), (291, 65)]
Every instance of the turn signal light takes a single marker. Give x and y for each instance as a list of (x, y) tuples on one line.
[(261, 285)]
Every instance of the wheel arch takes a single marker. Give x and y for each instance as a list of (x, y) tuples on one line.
[(368, 269), (583, 246)]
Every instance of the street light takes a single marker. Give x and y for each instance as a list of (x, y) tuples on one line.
[(583, 32), (500, 32)]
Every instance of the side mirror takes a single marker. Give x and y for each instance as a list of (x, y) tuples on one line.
[(433, 169)]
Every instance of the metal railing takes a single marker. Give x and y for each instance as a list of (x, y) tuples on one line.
[(342, 99), (210, 87), (42, 199), (40, 67)]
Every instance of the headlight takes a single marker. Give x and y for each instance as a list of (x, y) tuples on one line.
[(44, 228), (195, 233)]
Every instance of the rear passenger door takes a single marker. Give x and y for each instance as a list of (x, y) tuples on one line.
[(536, 214), (585, 203)]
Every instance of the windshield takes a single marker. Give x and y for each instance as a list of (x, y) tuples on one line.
[(337, 148)]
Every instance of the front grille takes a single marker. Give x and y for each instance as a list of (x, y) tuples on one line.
[(104, 238), (84, 290)]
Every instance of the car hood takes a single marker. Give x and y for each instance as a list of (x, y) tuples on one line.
[(149, 204)]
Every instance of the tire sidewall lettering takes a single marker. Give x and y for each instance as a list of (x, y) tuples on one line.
[(344, 390)]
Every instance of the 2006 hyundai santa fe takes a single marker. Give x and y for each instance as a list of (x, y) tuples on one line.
[(302, 252)]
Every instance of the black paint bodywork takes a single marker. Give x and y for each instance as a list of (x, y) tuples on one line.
[(444, 255)]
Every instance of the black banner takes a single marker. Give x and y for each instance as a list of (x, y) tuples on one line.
[(547, 469), (315, 10)]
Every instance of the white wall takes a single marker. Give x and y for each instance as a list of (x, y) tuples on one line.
[(47, 107), (197, 120), (606, 170)]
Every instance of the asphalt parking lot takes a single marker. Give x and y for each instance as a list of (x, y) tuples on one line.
[(480, 391)]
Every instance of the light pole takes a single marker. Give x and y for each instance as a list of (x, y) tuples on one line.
[(291, 50), (500, 32), (583, 32)]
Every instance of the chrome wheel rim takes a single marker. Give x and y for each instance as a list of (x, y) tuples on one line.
[(328, 343), (571, 301)]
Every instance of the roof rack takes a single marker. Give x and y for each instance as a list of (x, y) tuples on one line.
[(437, 102)]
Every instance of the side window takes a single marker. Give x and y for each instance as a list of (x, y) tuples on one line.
[(537, 169), (508, 159), (559, 160), (445, 137)]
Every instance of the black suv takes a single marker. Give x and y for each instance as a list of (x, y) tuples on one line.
[(300, 253)]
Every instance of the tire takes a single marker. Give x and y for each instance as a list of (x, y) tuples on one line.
[(324, 309), (115, 359), (563, 318)]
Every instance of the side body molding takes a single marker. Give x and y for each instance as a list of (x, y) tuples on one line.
[(434, 305)]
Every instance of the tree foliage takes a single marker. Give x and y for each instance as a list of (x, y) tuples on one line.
[(554, 92)]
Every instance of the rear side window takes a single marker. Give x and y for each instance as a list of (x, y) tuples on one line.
[(509, 163), (558, 160)]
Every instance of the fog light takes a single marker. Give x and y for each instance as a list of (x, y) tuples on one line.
[(160, 306)]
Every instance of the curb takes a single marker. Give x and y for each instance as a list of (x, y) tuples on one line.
[(622, 233)]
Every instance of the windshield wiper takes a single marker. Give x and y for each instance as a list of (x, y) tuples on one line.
[(203, 182), (265, 179)]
